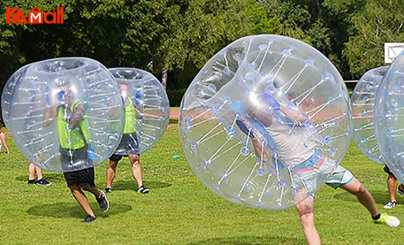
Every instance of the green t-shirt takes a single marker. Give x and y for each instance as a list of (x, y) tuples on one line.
[(130, 118), (72, 138)]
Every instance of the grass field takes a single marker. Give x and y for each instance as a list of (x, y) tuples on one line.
[(179, 209)]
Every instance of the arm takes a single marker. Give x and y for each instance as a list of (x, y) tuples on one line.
[(49, 115), (284, 106), (77, 116), (293, 114), (260, 148)]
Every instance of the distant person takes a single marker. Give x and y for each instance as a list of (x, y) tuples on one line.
[(392, 184), (3, 141), (129, 143), (72, 130), (38, 171)]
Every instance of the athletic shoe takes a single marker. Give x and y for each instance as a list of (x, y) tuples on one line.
[(103, 202), (400, 191), (390, 205), (43, 182), (388, 220), (89, 218), (108, 190), (31, 181), (143, 190)]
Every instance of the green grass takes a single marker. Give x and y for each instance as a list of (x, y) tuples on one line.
[(179, 209)]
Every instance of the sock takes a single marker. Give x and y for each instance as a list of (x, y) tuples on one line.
[(376, 217)]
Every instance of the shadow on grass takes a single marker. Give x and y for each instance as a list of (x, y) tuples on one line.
[(380, 197), (173, 120), (131, 185), (68, 210), (245, 240)]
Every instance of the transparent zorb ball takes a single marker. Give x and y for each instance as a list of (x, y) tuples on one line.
[(265, 121), (363, 106), (389, 117), (147, 110), (65, 114)]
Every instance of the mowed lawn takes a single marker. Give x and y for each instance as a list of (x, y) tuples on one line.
[(179, 209)]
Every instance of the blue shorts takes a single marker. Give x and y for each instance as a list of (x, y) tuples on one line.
[(311, 174), (341, 176)]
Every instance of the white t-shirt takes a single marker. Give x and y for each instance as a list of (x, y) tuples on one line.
[(294, 144)]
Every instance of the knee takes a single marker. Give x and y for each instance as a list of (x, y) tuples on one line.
[(74, 189), (112, 165), (361, 190), (135, 160)]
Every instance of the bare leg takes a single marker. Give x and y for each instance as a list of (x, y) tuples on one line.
[(3, 141), (81, 198), (39, 172), (136, 169), (306, 212), (31, 171), (111, 172), (392, 186), (365, 198), (94, 190)]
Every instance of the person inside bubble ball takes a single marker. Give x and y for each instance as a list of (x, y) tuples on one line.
[(277, 115), (392, 184), (128, 144), (72, 129)]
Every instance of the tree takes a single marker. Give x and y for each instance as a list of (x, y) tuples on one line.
[(192, 31), (382, 21)]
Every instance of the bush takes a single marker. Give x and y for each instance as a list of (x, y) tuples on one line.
[(175, 96)]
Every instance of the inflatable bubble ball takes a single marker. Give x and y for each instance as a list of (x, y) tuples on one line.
[(389, 117), (363, 104), (65, 114), (147, 110), (265, 122), (6, 96)]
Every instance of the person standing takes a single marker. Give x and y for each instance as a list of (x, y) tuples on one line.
[(128, 145)]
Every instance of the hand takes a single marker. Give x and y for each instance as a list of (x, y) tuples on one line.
[(62, 97), (90, 153)]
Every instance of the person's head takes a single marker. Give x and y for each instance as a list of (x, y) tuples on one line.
[(258, 109), (124, 89)]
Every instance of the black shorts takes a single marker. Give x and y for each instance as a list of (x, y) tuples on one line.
[(387, 170), (84, 177), (129, 145), (74, 159), (115, 157)]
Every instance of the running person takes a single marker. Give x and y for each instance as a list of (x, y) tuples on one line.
[(73, 133), (303, 158)]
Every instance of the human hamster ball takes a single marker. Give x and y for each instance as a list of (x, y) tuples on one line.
[(363, 107), (65, 114), (147, 110), (266, 121), (389, 117)]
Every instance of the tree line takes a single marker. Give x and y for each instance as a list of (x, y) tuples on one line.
[(173, 39)]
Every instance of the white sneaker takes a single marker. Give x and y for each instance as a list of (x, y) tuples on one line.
[(390, 205)]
